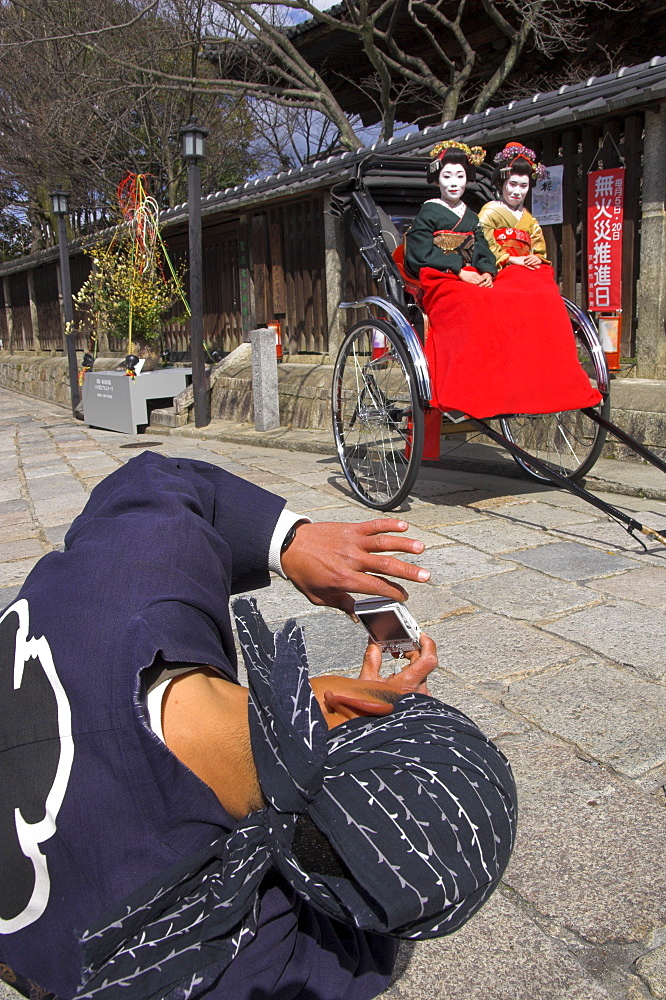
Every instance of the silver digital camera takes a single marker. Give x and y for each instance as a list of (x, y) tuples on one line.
[(388, 623)]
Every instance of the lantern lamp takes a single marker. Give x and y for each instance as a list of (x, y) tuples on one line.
[(193, 136), (60, 202)]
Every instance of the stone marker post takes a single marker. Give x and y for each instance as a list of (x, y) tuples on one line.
[(264, 380)]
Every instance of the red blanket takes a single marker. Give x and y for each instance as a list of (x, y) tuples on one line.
[(502, 350)]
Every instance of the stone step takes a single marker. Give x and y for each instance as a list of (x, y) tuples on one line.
[(167, 417)]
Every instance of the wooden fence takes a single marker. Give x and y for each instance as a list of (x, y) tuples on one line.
[(278, 251)]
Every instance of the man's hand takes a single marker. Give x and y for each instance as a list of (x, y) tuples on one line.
[(412, 677), (330, 561)]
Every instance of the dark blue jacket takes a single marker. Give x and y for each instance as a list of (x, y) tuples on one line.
[(93, 803)]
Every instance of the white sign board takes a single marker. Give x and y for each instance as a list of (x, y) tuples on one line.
[(547, 197)]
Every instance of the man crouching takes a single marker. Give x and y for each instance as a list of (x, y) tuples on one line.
[(173, 834)]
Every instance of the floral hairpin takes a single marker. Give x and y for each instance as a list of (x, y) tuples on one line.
[(475, 154), (515, 151)]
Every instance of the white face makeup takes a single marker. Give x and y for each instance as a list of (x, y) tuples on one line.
[(514, 190), (452, 183)]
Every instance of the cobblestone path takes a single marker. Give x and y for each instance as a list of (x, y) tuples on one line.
[(550, 623)]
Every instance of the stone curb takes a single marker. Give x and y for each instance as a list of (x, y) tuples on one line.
[(290, 439)]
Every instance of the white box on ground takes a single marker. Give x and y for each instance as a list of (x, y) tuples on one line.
[(117, 402)]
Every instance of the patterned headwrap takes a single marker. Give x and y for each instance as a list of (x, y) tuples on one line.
[(418, 805), (515, 151), (475, 155)]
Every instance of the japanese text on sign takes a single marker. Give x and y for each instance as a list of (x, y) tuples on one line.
[(605, 207)]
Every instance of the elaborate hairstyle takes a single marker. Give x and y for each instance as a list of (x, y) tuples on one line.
[(451, 151), (517, 159)]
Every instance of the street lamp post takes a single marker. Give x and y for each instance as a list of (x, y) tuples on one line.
[(60, 207), (193, 136)]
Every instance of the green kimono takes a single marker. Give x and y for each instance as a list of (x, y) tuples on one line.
[(421, 251)]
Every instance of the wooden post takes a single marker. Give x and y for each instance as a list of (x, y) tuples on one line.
[(651, 299), (34, 314), (633, 141), (244, 278), (8, 314), (277, 270), (334, 242), (262, 289), (550, 154), (569, 151)]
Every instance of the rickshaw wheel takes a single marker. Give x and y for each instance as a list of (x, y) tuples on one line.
[(377, 418), (569, 442)]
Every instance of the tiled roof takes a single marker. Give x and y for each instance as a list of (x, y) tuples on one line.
[(629, 87), (312, 22)]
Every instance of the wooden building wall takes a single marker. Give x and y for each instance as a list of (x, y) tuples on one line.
[(298, 285), (20, 304), (266, 265), (222, 319), (49, 315), (4, 335)]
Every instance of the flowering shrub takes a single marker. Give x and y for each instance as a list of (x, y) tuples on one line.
[(122, 299)]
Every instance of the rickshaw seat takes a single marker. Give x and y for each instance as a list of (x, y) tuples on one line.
[(412, 285)]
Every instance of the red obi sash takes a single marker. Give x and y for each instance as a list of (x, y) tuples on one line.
[(516, 242)]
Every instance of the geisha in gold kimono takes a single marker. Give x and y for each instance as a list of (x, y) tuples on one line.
[(513, 234), (552, 378), (489, 347)]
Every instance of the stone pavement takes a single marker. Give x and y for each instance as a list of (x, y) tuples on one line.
[(549, 621)]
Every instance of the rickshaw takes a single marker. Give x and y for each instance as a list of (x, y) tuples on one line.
[(381, 382)]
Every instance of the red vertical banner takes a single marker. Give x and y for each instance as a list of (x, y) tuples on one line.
[(605, 208)]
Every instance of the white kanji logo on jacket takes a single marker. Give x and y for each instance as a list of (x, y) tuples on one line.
[(36, 754)]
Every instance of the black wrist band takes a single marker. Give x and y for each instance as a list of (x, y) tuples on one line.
[(289, 537)]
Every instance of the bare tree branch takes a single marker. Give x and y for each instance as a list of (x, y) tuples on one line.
[(87, 88)]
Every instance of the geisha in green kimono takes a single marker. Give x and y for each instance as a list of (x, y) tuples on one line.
[(446, 235)]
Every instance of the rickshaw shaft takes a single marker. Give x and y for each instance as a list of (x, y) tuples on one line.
[(558, 480), (625, 439)]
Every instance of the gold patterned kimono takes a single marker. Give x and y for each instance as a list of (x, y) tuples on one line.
[(509, 236)]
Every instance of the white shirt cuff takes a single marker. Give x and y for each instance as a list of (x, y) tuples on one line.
[(284, 522)]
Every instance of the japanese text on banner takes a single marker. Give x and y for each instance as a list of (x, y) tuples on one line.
[(605, 208)]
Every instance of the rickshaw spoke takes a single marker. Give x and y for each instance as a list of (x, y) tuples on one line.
[(561, 440)]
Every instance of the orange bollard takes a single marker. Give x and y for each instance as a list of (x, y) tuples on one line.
[(379, 345), (275, 325), (610, 335)]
